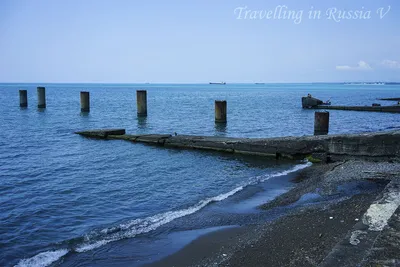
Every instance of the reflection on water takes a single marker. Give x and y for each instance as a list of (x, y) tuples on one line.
[(220, 128), (142, 122)]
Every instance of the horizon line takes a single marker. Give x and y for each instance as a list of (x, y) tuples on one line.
[(227, 83)]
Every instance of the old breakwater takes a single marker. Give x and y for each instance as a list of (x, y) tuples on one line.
[(381, 144), (391, 109), (315, 103)]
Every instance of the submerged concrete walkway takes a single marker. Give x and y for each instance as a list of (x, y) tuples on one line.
[(390, 109), (381, 144)]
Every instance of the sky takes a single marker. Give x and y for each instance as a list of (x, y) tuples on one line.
[(198, 41)]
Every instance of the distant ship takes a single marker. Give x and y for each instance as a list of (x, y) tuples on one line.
[(365, 83), (220, 83)]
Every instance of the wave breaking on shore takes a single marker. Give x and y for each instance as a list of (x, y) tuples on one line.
[(132, 228)]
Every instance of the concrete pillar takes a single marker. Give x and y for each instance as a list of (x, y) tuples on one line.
[(23, 98), (85, 102), (41, 92), (220, 111), (321, 123), (141, 101)]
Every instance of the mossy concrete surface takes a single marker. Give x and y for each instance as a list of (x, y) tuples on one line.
[(380, 144)]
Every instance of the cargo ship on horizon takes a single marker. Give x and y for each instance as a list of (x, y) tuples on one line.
[(220, 83)]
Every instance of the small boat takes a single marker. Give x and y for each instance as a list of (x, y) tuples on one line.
[(327, 103), (220, 83)]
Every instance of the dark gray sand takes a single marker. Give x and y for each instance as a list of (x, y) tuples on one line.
[(299, 239), (303, 239), (307, 234)]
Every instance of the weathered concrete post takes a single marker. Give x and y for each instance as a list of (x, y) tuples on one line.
[(141, 101), (321, 123), (85, 102), (220, 111), (23, 98), (41, 92)]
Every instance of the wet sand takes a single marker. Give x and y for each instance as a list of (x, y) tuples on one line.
[(305, 238), (306, 235), (299, 239)]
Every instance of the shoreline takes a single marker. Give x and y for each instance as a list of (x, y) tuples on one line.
[(284, 242), (304, 236)]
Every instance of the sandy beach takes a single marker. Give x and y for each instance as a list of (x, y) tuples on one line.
[(308, 233)]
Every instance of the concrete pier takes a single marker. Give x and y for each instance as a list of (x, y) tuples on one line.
[(321, 123), (141, 102), (390, 99), (85, 102), (23, 98), (310, 102), (381, 144), (220, 111), (41, 92), (103, 133), (390, 109)]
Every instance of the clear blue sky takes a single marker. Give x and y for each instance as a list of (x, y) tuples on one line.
[(190, 41)]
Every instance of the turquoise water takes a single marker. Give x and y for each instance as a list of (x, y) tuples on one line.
[(63, 196)]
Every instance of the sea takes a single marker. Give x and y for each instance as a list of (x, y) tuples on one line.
[(66, 200)]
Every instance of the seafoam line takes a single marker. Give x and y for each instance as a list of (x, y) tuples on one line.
[(43, 259), (135, 227)]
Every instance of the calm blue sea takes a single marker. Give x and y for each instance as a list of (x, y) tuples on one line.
[(71, 201)]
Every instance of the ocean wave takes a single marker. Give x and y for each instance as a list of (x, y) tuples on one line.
[(140, 226), (98, 238), (135, 227), (43, 259), (263, 178)]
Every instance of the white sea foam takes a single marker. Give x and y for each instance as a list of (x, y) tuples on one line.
[(264, 178), (140, 226), (91, 246), (135, 227), (294, 169), (43, 259)]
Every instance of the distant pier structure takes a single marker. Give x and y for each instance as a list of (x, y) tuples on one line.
[(390, 99), (309, 102)]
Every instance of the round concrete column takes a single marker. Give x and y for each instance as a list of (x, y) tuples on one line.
[(85, 102), (220, 111), (141, 101), (321, 123), (23, 98), (41, 92)]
